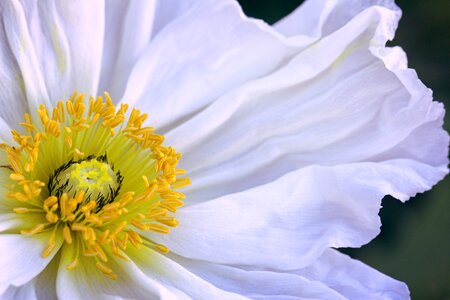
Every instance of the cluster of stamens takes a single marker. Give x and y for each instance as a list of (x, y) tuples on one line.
[(140, 195)]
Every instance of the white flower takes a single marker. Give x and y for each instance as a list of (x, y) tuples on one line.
[(290, 134)]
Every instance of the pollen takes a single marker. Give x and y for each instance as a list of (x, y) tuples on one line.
[(91, 175)]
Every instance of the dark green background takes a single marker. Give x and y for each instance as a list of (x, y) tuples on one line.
[(414, 245)]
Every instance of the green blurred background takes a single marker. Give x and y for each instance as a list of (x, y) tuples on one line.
[(414, 245)]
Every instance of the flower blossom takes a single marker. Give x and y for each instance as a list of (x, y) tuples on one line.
[(290, 137)]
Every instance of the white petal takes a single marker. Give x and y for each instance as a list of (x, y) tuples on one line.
[(128, 27), (204, 52), (175, 276), (318, 18), (23, 260), (258, 284), (57, 47), (336, 102), (287, 223), (353, 279), (5, 131), (131, 27), (42, 287), (24, 292), (11, 221), (331, 276), (24, 75), (87, 282), (12, 94)]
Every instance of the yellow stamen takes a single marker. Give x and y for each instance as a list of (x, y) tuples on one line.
[(72, 265), (158, 228), (17, 177), (21, 210), (67, 235), (36, 229)]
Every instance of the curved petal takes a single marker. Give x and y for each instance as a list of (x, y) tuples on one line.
[(5, 133), (10, 88), (24, 292), (307, 20), (288, 223), (129, 26), (259, 284), (346, 99), (316, 18), (353, 279), (57, 47), (332, 276), (23, 261), (172, 275), (5, 138), (24, 75), (207, 50), (42, 287), (202, 61)]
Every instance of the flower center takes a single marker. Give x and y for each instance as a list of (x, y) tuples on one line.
[(109, 179), (92, 175)]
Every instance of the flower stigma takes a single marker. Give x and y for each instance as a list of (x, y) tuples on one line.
[(94, 181)]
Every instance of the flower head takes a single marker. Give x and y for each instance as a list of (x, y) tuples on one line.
[(290, 134), (91, 181)]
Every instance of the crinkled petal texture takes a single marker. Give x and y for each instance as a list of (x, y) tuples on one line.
[(47, 51), (332, 276), (291, 135)]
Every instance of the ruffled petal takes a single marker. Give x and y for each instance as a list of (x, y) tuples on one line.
[(174, 276), (346, 99), (5, 134), (353, 279), (11, 87), (259, 284), (24, 292), (129, 27), (56, 46), (22, 74), (288, 223), (205, 51), (23, 261), (318, 18), (42, 287), (332, 276)]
